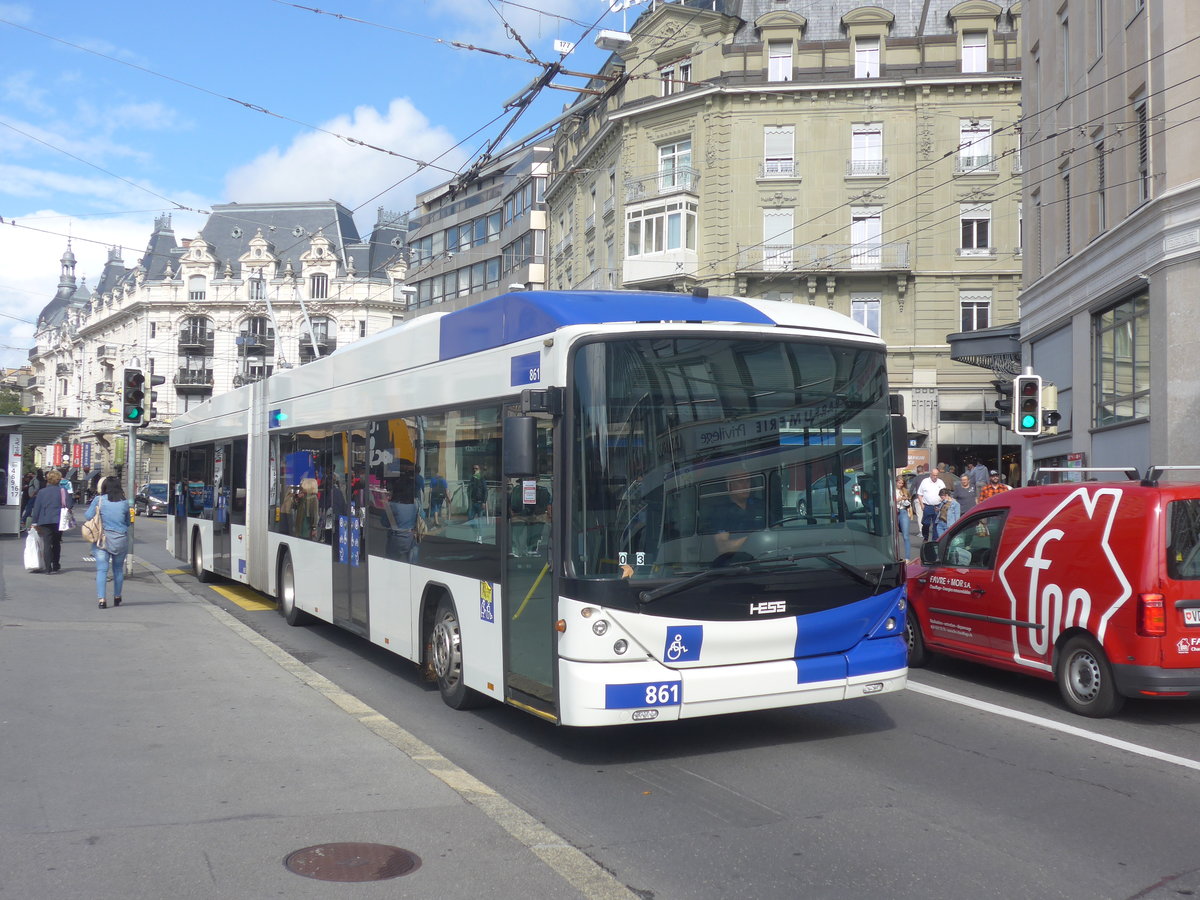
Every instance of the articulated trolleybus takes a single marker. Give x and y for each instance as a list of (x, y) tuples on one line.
[(599, 507)]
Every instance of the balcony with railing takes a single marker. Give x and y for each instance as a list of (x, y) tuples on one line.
[(777, 168), (256, 343), (194, 381), (106, 351), (891, 256), (683, 180), (62, 369), (196, 337), (982, 164), (608, 206), (866, 168), (324, 346)]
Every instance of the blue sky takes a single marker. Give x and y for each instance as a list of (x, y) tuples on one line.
[(96, 144)]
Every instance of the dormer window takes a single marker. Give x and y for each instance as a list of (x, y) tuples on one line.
[(866, 57), (318, 286)]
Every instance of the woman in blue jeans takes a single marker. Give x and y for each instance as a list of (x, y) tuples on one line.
[(114, 513)]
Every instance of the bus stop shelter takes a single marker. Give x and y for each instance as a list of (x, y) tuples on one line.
[(18, 436)]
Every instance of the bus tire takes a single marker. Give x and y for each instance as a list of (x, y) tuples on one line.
[(1085, 678), (292, 614), (446, 655), (918, 653), (202, 574)]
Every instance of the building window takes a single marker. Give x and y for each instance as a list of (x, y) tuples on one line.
[(866, 237), (256, 288), (779, 61), (1020, 227), (974, 51), (779, 151), (362, 328), (864, 309), (397, 320), (1101, 187), (1141, 112), (975, 146), (866, 57), (318, 286), (976, 228), (153, 330), (196, 287), (675, 165), (1066, 200), (778, 238), (976, 309), (1122, 352), (661, 228), (866, 149), (1098, 14), (674, 78), (1064, 30)]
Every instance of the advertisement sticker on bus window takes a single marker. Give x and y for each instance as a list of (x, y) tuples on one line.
[(526, 369), (487, 605), (683, 643), (634, 696)]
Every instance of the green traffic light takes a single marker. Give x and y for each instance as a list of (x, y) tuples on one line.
[(1028, 421)]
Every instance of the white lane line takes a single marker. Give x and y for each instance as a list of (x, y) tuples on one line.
[(1117, 743)]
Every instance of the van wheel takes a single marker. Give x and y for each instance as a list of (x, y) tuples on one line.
[(202, 575), (1085, 679), (291, 613), (445, 641), (918, 655)]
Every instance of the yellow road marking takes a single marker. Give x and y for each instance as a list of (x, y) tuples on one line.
[(174, 571), (246, 598)]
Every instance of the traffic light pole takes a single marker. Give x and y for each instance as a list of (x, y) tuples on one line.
[(130, 489)]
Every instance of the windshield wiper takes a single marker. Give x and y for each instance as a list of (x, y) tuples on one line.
[(683, 584), (829, 556)]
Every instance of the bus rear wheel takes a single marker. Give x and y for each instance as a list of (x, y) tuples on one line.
[(202, 575), (446, 654), (291, 613)]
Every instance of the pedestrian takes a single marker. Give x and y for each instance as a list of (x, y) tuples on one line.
[(46, 514), (979, 476), (477, 492), (929, 496), (947, 513), (110, 551), (993, 487), (904, 515), (964, 492)]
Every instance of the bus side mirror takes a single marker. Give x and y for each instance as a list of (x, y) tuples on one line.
[(899, 441), (520, 446)]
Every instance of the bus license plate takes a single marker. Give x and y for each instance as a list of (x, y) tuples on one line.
[(1191, 616)]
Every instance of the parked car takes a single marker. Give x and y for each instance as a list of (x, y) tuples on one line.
[(1095, 585), (151, 499), (828, 494)]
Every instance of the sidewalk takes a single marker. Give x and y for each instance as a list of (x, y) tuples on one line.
[(163, 749)]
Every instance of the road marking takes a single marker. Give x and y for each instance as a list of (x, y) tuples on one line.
[(572, 864), (174, 571), (1116, 743), (245, 597)]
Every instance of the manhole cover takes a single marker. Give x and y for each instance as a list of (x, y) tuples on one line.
[(352, 862)]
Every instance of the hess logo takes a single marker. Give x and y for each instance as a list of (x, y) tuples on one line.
[(1058, 584), (767, 607)]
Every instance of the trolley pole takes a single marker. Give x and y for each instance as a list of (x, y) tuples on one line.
[(130, 479)]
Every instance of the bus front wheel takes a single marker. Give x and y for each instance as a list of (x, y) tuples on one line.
[(445, 642), (292, 614), (202, 574)]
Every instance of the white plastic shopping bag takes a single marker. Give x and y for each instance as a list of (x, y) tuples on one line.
[(33, 551)]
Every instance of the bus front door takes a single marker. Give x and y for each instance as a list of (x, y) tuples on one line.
[(349, 518), (528, 583), (222, 458)]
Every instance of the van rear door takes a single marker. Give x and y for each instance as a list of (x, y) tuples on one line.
[(1181, 600)]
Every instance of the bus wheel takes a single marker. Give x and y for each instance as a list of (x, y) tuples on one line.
[(202, 575), (918, 655), (291, 613), (445, 641), (1085, 679)]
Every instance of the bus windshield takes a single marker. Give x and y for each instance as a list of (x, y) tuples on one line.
[(691, 454)]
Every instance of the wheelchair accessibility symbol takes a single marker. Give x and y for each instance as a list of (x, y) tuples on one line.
[(683, 643)]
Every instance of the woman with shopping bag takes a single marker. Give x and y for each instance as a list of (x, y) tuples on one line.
[(110, 502), (49, 507)]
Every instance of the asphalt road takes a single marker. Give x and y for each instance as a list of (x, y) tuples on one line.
[(973, 783)]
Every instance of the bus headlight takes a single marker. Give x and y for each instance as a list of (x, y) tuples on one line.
[(890, 624), (620, 647), (600, 627)]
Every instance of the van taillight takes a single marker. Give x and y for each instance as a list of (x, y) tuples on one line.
[(1152, 615)]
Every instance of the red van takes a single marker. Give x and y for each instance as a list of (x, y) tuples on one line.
[(1093, 584)]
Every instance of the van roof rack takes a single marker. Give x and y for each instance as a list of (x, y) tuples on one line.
[(1153, 473), (1128, 471)]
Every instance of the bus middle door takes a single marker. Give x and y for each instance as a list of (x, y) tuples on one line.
[(348, 512), (222, 459)]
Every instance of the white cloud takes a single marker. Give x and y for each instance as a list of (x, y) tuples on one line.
[(318, 166)]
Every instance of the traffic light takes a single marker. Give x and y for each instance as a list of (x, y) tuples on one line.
[(133, 397), (1027, 389), (152, 413), (1004, 403), (1050, 414)]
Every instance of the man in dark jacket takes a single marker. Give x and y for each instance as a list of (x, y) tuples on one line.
[(47, 505)]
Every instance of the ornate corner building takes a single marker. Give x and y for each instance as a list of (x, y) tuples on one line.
[(864, 158), (263, 286)]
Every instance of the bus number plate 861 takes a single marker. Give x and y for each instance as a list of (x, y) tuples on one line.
[(631, 696)]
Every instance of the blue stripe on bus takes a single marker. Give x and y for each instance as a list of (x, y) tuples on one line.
[(515, 317), (836, 643)]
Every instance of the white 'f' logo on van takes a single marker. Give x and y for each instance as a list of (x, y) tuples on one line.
[(1045, 576)]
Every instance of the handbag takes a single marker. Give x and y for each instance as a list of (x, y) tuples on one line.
[(66, 518), (93, 528)]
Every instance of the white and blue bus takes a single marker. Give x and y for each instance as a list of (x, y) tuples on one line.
[(599, 507)]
